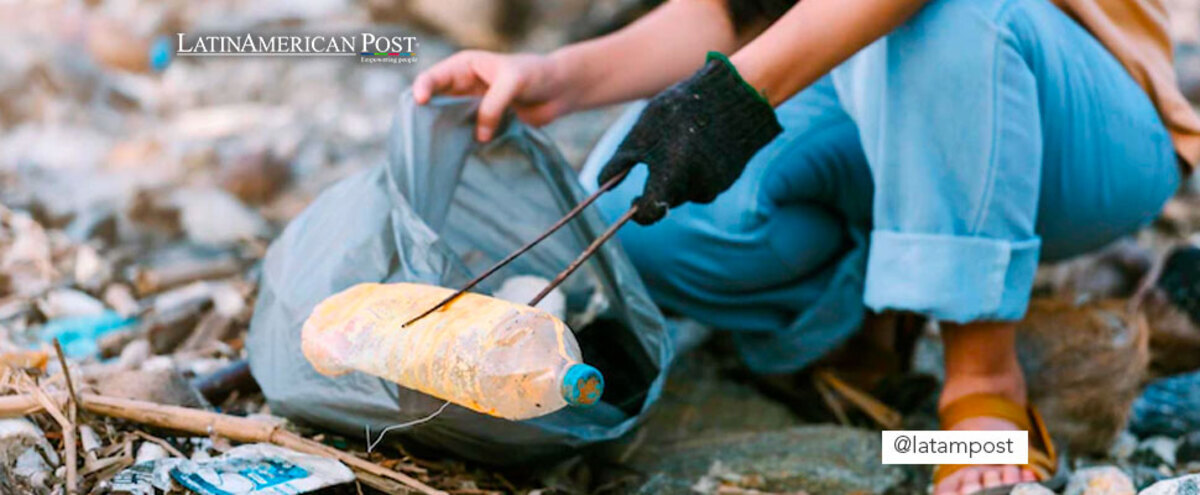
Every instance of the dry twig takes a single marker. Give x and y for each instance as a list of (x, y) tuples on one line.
[(881, 413), (200, 422)]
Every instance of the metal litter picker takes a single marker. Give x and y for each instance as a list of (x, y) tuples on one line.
[(482, 353)]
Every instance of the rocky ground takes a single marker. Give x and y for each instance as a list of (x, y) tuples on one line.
[(136, 205)]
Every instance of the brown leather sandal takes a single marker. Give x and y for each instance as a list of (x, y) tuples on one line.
[(1043, 460)]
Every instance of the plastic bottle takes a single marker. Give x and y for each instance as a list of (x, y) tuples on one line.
[(493, 356)]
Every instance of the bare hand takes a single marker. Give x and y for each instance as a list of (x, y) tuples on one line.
[(531, 84)]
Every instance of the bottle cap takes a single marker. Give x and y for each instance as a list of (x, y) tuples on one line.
[(582, 385)]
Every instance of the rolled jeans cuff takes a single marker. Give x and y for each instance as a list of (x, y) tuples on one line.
[(951, 278)]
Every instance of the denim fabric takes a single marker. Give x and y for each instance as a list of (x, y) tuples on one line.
[(928, 173)]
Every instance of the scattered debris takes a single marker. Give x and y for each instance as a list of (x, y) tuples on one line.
[(138, 247), (246, 469), (80, 334)]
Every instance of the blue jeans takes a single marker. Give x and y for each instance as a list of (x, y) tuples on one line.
[(928, 173)]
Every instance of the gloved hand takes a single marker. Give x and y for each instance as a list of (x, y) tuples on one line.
[(696, 138)]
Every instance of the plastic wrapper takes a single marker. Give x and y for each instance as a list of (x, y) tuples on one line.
[(254, 469)]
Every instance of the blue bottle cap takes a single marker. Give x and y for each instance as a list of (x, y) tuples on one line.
[(160, 53), (582, 385)]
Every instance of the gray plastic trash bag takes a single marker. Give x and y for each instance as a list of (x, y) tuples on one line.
[(443, 208)]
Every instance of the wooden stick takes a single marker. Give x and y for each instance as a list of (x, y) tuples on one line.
[(15, 406), (62, 361), (161, 443), (832, 401), (64, 422), (70, 444), (69, 430), (884, 415), (235, 428)]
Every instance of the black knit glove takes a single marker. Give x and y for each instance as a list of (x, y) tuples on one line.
[(696, 138)]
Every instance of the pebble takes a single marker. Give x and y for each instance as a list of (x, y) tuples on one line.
[(1185, 485), (1123, 446), (1030, 489), (1189, 449), (1144, 476), (1168, 406), (1100, 480), (1157, 450), (216, 218)]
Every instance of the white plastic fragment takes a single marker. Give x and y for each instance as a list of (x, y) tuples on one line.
[(522, 288), (88, 438), (62, 303), (158, 363), (148, 452), (120, 298), (17, 436), (134, 355), (33, 468)]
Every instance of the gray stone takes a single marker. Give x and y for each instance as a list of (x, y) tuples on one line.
[(1100, 480), (1169, 406), (821, 459), (1184, 485), (161, 386), (698, 401), (215, 217), (1084, 364), (1189, 449), (1123, 446), (1144, 476)]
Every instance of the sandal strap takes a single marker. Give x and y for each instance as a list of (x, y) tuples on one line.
[(1043, 460), (983, 405)]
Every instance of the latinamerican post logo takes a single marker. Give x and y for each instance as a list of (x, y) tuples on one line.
[(368, 47)]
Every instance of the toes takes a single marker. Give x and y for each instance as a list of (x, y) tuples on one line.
[(1010, 475), (948, 486), (991, 477), (975, 479), (972, 481)]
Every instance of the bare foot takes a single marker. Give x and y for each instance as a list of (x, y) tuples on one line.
[(981, 358)]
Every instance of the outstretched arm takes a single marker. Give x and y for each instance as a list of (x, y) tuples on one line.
[(696, 137), (812, 38), (638, 61), (657, 51)]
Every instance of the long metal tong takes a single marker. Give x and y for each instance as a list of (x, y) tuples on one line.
[(575, 264)]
